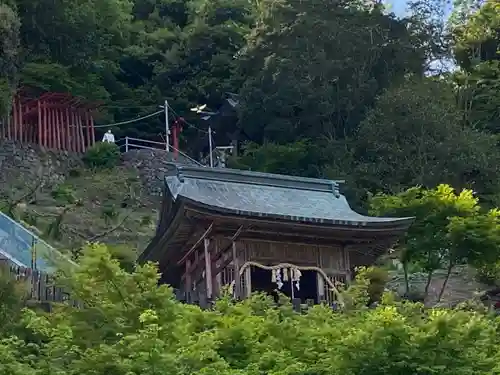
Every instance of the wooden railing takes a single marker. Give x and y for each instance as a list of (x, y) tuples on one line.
[(39, 286)]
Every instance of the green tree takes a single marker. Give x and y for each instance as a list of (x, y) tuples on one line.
[(476, 38), (415, 136), (429, 241), (477, 240), (9, 57), (313, 68), (301, 158)]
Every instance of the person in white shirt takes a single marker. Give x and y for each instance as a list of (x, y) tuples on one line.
[(108, 137)]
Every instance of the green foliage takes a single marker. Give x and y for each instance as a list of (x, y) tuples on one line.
[(13, 294), (367, 288), (489, 273), (102, 155), (125, 255), (407, 140), (449, 229), (64, 194), (477, 51), (9, 55), (299, 158), (130, 325)]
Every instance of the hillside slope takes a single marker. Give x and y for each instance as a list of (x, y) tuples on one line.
[(68, 204)]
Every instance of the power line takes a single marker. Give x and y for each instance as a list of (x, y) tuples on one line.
[(148, 116), (129, 121)]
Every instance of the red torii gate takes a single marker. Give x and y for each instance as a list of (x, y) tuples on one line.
[(55, 121)]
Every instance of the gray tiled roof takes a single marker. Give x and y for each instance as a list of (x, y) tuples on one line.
[(268, 195)]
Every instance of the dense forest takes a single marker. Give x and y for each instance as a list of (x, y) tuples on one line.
[(338, 88)]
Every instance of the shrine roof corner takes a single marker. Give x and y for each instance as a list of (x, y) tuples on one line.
[(265, 195)]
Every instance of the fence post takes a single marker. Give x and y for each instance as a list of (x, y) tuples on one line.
[(126, 144)]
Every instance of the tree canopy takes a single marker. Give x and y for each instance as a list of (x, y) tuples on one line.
[(350, 89)]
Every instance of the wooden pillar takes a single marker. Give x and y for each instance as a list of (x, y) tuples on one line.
[(321, 287), (347, 262), (78, 145), (9, 124), (67, 129), (50, 127), (92, 130), (86, 121), (71, 136), (15, 122), (74, 128), (40, 123), (216, 279), (236, 264), (80, 129), (60, 134), (74, 133), (20, 119), (188, 281), (248, 281), (55, 129), (208, 268), (44, 124), (64, 131), (57, 126)]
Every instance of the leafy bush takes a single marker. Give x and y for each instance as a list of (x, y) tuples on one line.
[(63, 194), (74, 172), (102, 155), (489, 273), (133, 326)]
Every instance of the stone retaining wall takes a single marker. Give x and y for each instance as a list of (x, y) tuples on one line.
[(28, 164)]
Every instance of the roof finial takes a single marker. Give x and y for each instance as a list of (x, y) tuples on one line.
[(335, 189)]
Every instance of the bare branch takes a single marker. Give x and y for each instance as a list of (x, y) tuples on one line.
[(111, 230)]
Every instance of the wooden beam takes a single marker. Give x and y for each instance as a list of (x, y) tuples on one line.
[(296, 225), (236, 263), (189, 282), (220, 253), (208, 268), (193, 248)]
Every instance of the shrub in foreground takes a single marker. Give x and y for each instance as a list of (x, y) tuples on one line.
[(132, 326), (102, 155)]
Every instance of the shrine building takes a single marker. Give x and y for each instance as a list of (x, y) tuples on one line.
[(254, 231)]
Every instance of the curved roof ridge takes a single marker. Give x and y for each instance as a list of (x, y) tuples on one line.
[(255, 178)]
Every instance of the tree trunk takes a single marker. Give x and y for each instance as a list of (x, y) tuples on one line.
[(407, 282), (428, 283), (445, 282)]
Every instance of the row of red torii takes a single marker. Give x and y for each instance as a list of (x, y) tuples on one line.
[(55, 121)]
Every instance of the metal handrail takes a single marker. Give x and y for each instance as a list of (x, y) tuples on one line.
[(146, 141), (129, 144)]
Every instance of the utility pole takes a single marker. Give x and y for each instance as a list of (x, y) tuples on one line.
[(210, 146), (167, 128), (200, 109)]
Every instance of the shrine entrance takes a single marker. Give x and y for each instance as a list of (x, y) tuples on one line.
[(264, 280)]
